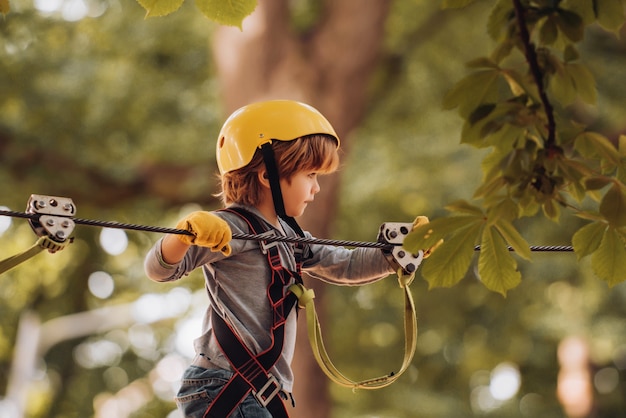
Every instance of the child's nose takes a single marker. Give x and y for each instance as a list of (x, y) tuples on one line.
[(316, 187)]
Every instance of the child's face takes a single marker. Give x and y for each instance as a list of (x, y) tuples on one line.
[(299, 192)]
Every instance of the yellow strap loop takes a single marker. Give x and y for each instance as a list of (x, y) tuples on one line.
[(305, 299), (43, 243), (405, 280), (305, 296)]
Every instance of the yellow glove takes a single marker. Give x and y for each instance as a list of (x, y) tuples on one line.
[(423, 220), (208, 229)]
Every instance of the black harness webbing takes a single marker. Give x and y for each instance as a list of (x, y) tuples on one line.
[(252, 371), (277, 195)]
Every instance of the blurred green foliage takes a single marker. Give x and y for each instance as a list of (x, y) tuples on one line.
[(542, 156)]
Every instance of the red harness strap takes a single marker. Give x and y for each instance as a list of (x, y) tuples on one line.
[(252, 371)]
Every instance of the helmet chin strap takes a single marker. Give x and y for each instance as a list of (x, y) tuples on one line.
[(277, 196)]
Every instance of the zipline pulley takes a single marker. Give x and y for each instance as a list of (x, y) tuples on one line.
[(55, 216), (393, 234), (50, 218)]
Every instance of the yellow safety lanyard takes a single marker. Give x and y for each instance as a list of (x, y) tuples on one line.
[(43, 243), (305, 300)]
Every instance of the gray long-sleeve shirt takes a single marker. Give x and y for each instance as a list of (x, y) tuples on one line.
[(237, 285)]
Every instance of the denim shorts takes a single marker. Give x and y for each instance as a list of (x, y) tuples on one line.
[(200, 386)]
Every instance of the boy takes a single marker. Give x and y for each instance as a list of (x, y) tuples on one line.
[(270, 155)]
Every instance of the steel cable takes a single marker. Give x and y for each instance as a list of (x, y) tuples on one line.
[(254, 237)]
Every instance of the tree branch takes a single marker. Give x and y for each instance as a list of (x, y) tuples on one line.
[(531, 57)]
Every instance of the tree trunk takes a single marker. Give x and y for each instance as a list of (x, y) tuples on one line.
[(330, 68)]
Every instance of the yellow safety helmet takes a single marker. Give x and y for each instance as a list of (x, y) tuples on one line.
[(259, 123)]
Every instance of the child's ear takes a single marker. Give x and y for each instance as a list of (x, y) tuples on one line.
[(264, 178)]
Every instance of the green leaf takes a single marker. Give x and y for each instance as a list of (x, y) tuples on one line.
[(583, 81), (551, 210), (593, 145), (572, 169), (490, 124), (571, 24), (503, 209), (449, 264), (597, 182), (463, 206), (590, 216), (588, 238), (585, 9), (518, 84), (502, 50), (576, 190), (609, 260), (472, 91), (498, 18), (548, 32), (570, 54), (428, 235), (482, 62), (574, 172), (492, 164), (562, 87), (490, 187), (610, 14), (155, 8), (508, 136), (496, 266), (230, 12), (480, 113), (528, 204), (470, 134), (613, 206), (513, 238)]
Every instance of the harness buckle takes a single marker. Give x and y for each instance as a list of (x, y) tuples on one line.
[(266, 245), (270, 389)]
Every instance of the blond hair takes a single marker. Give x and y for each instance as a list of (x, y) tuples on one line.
[(309, 153)]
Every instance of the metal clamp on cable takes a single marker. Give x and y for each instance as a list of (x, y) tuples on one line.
[(54, 220), (53, 227), (394, 233)]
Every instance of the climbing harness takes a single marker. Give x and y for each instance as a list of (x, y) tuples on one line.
[(252, 371)]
